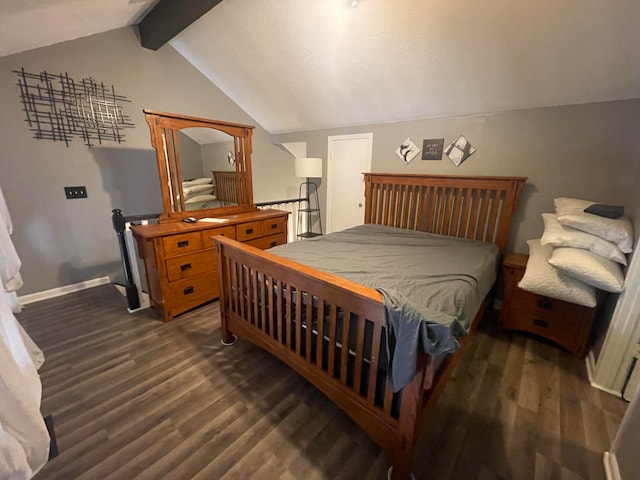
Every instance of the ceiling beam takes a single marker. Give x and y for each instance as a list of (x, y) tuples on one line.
[(168, 18)]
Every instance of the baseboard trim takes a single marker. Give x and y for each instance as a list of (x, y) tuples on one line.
[(611, 466), (60, 291), (590, 362)]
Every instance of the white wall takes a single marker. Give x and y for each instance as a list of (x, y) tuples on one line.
[(623, 462)]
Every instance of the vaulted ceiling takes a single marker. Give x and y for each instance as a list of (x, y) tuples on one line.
[(308, 64)]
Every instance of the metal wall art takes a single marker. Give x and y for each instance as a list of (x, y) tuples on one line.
[(58, 108)]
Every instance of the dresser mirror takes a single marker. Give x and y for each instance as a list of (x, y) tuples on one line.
[(204, 165)]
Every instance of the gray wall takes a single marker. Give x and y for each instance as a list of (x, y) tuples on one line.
[(67, 241), (215, 158), (191, 164), (585, 151)]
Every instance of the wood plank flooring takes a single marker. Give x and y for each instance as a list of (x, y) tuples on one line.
[(132, 397)]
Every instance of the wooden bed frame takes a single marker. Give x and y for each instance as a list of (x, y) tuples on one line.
[(469, 207)]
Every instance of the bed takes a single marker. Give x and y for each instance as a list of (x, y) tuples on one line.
[(219, 190), (332, 330)]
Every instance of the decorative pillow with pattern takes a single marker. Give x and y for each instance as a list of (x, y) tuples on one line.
[(541, 278), (589, 268)]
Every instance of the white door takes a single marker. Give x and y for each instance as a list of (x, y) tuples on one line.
[(348, 157)]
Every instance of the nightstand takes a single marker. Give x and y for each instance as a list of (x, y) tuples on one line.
[(566, 324)]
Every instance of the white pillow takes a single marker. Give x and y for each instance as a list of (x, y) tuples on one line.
[(570, 212), (589, 268), (557, 235), (197, 190), (541, 278), (200, 198), (197, 181)]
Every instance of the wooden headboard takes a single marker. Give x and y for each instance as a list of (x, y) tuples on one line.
[(478, 208), (225, 183)]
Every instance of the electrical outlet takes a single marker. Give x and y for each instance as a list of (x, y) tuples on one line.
[(75, 192)]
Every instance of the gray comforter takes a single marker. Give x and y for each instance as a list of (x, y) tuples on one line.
[(432, 285)]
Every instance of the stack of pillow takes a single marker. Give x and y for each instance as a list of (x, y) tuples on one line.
[(198, 189), (579, 252)]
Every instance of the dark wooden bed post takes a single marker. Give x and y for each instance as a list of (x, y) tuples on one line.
[(412, 394), (228, 338)]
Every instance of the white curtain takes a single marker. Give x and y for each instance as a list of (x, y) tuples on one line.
[(24, 440)]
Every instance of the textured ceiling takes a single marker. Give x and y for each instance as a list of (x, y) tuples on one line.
[(307, 64), (28, 24)]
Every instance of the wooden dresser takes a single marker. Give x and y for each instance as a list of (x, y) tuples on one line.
[(566, 324), (180, 258)]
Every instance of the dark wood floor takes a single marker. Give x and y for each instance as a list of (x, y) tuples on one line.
[(132, 397)]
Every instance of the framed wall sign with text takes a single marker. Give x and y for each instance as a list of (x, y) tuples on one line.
[(432, 149)]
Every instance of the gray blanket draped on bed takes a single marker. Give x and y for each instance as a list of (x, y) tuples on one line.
[(432, 285)]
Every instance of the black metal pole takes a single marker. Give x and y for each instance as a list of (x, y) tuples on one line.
[(130, 288)]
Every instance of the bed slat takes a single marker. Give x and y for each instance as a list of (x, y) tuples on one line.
[(469, 207)]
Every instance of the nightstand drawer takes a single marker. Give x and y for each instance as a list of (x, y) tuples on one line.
[(545, 307), (186, 266), (567, 332), (183, 243)]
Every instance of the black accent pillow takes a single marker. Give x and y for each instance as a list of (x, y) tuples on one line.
[(602, 210)]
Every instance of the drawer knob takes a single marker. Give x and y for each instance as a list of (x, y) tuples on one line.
[(274, 243), (249, 231), (188, 290), (186, 266), (545, 303), (274, 226), (540, 323), (183, 243)]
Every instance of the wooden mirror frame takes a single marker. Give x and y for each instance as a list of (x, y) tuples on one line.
[(162, 125)]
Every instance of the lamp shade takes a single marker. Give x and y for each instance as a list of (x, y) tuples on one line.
[(306, 167)]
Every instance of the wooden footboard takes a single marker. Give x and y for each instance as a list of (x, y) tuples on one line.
[(331, 330), (328, 329)]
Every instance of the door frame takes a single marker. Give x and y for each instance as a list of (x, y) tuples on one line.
[(331, 170)]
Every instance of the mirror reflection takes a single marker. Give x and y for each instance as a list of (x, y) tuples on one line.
[(204, 165), (207, 168)]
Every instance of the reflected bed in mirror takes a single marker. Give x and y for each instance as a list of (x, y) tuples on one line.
[(207, 161), (204, 165)]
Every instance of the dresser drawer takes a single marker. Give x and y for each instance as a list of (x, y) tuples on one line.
[(229, 232), (190, 265), (248, 231), (191, 292), (267, 242), (275, 225), (183, 243)]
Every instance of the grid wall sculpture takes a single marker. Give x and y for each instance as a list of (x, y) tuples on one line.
[(59, 108)]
